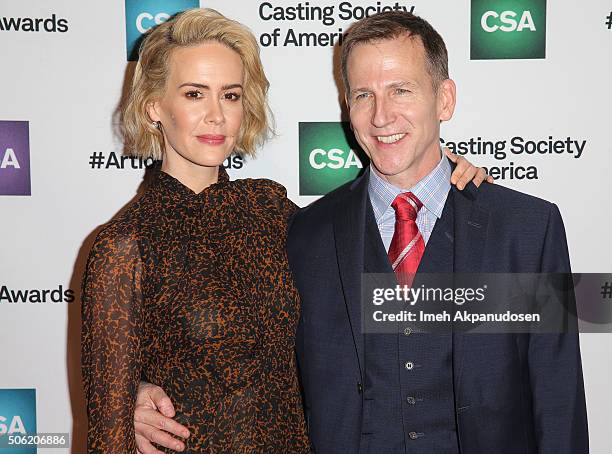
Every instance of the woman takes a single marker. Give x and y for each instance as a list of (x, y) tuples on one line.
[(190, 288)]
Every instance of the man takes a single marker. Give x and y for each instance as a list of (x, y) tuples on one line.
[(416, 392)]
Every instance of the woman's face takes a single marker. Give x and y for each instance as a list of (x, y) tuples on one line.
[(201, 109)]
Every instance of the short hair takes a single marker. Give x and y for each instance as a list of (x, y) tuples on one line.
[(190, 28), (390, 25)]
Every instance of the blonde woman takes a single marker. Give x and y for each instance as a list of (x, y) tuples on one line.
[(190, 288)]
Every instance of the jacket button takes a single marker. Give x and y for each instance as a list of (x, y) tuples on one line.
[(411, 400), (407, 331), (409, 365), (359, 388), (413, 435)]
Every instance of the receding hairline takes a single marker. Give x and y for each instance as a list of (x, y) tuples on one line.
[(390, 25), (404, 35)]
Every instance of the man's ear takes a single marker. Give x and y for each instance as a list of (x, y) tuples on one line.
[(348, 110), (447, 98)]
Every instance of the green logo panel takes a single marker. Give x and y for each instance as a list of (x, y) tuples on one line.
[(329, 156), (508, 29)]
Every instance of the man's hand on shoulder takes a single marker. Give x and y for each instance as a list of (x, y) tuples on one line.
[(153, 421)]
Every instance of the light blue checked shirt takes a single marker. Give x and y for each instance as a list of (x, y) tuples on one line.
[(432, 191)]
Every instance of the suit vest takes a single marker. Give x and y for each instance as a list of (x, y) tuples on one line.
[(408, 391)]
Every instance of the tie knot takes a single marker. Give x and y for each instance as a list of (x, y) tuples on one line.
[(406, 206)]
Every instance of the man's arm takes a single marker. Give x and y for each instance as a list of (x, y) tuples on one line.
[(555, 368), (153, 421)]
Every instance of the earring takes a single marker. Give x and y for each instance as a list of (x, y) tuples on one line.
[(157, 124)]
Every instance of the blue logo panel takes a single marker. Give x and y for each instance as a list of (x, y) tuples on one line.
[(142, 15), (17, 416)]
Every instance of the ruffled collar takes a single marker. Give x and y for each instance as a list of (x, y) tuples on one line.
[(165, 181), (171, 188)]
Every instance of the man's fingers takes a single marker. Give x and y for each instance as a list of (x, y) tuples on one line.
[(144, 447), (143, 396), (161, 401), (154, 397), (156, 420), (149, 434)]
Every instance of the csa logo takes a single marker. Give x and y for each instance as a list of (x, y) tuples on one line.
[(328, 157), (17, 416), (142, 15), (14, 158), (508, 29)]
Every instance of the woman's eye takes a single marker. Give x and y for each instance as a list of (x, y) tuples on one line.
[(232, 96), (193, 94)]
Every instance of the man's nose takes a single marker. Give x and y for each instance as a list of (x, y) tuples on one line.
[(382, 114)]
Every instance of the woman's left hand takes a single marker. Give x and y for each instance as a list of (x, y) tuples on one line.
[(466, 172)]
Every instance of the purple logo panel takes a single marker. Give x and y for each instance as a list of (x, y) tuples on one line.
[(14, 158)]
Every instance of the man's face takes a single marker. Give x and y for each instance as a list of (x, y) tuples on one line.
[(395, 110)]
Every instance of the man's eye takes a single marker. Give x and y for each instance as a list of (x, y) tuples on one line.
[(401, 91), (361, 96)]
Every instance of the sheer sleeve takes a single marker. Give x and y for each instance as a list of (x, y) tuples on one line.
[(112, 322), (274, 195)]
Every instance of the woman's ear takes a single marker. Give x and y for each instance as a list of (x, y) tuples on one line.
[(153, 111)]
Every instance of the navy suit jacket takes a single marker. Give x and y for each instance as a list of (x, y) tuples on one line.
[(514, 393)]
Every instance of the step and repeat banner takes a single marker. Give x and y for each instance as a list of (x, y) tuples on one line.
[(534, 99)]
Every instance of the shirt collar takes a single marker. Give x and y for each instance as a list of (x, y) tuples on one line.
[(431, 190)]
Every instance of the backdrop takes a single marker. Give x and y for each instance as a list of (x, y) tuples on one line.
[(534, 98)]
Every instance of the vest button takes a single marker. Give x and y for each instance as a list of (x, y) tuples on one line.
[(359, 388), (407, 331), (409, 365)]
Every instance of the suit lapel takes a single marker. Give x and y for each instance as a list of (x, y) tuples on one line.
[(470, 232), (375, 259), (439, 252), (349, 234), (457, 241), (471, 221)]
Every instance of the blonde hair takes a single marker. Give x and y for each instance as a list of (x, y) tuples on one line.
[(189, 28)]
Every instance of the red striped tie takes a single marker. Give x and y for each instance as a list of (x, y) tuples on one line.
[(407, 245)]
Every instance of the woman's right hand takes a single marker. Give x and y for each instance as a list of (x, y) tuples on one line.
[(153, 421)]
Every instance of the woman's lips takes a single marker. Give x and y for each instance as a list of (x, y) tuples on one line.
[(211, 139)]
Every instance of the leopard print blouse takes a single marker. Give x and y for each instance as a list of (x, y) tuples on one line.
[(193, 292)]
